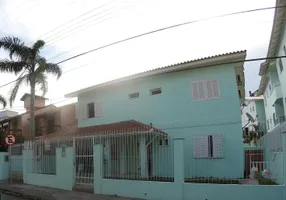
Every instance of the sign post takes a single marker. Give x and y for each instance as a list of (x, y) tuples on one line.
[(10, 141)]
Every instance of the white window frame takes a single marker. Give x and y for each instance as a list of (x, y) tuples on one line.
[(101, 113), (204, 145), (205, 91)]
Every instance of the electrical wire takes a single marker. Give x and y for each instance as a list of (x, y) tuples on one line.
[(64, 24), (83, 27), (174, 26)]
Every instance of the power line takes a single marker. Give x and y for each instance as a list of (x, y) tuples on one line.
[(82, 27), (169, 27), (174, 26), (64, 24), (69, 28)]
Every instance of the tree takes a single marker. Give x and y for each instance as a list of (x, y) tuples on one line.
[(254, 135), (32, 67), (3, 101)]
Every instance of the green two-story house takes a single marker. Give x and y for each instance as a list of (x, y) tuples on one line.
[(197, 100)]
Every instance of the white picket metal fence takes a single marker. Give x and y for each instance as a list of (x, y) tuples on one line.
[(83, 146)]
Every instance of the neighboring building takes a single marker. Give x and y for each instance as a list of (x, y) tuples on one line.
[(254, 106), (273, 80), (198, 100), (5, 115), (49, 120)]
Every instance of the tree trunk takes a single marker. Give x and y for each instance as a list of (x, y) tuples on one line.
[(32, 109)]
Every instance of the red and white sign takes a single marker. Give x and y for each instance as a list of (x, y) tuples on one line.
[(10, 139)]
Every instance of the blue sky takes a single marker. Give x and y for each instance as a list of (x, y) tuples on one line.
[(116, 20)]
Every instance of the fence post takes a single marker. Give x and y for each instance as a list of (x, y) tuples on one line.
[(143, 156), (98, 165), (179, 166)]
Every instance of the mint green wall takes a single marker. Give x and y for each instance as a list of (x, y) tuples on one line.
[(260, 111), (4, 166), (176, 113), (64, 178), (282, 75)]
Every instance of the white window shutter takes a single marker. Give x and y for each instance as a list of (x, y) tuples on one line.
[(216, 89), (201, 90), (98, 106), (201, 146), (209, 89), (195, 91), (217, 146)]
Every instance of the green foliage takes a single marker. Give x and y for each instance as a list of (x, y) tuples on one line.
[(27, 61), (255, 134)]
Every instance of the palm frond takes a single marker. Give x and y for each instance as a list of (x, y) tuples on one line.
[(15, 89), (12, 66), (53, 69), (15, 47), (37, 46), (41, 80), (3, 101)]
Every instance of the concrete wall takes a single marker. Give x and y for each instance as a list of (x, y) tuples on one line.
[(4, 166), (176, 113), (178, 189), (8, 197), (64, 178)]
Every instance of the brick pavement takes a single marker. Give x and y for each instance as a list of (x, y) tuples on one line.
[(41, 193)]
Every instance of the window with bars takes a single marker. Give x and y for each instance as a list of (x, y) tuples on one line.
[(205, 90), (208, 146)]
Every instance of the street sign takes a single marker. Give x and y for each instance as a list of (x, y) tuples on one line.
[(10, 139)]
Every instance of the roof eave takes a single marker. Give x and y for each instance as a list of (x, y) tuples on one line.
[(208, 62), (275, 38)]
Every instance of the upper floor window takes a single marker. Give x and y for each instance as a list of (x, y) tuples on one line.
[(155, 91), (253, 108), (90, 110), (134, 95), (94, 110), (280, 64), (205, 89), (269, 87), (284, 49)]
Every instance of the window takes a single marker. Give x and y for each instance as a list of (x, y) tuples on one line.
[(208, 146), (90, 110), (274, 120), (205, 89), (280, 65), (269, 87), (284, 49), (94, 110), (253, 109), (134, 95), (155, 91)]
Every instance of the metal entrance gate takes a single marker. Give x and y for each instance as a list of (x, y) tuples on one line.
[(84, 163), (16, 163)]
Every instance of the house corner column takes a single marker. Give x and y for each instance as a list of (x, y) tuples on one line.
[(143, 156)]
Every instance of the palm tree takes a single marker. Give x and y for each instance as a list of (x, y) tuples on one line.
[(31, 67), (3, 101)]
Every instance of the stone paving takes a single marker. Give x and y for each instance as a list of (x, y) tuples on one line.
[(41, 193)]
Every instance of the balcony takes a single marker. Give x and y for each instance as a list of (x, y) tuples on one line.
[(273, 123)]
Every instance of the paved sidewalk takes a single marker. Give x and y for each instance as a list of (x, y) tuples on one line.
[(41, 193)]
